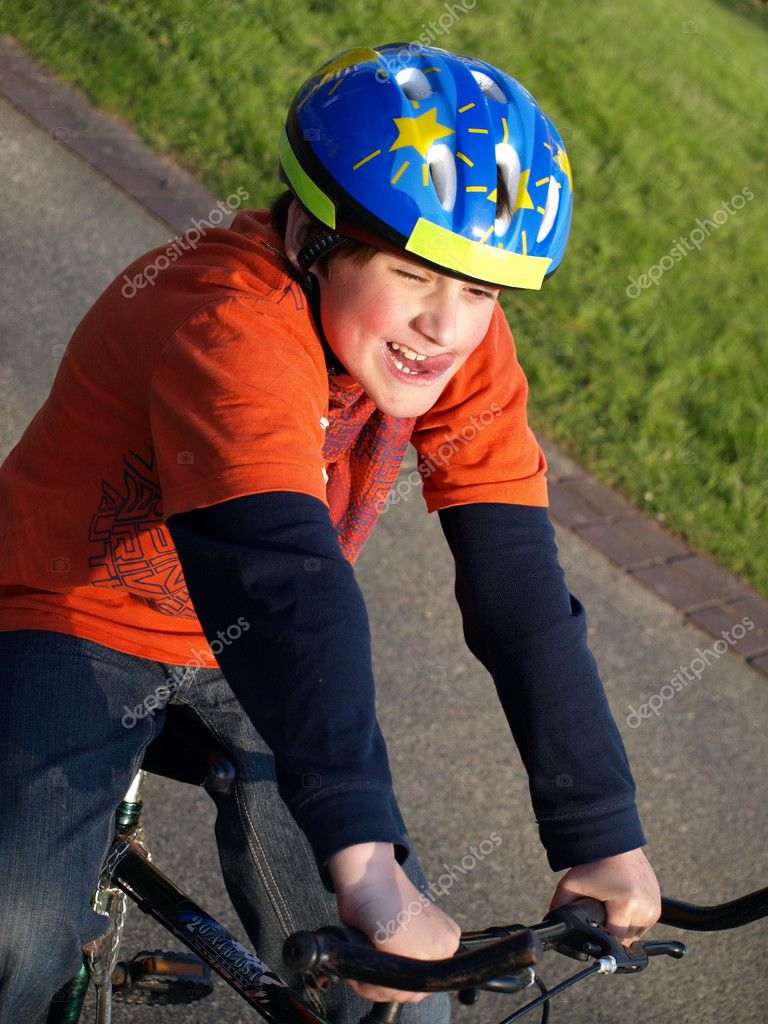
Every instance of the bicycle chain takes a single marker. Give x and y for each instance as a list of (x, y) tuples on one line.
[(111, 902)]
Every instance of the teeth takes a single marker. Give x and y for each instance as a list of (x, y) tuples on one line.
[(407, 352)]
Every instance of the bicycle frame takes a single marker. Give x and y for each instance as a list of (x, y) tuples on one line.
[(130, 870), (576, 931), (266, 992), (256, 983)]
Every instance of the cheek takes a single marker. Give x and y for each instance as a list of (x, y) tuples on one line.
[(360, 308), (377, 311), (474, 327)]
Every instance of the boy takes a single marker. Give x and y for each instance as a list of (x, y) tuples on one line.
[(215, 450)]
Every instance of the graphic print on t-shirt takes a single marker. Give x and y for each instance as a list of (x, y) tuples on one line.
[(209, 385), (136, 551)]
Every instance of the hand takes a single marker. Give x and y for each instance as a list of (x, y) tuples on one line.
[(626, 884), (374, 894)]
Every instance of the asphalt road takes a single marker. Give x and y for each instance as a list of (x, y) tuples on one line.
[(700, 764)]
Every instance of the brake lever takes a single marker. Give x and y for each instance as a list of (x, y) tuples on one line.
[(668, 947), (588, 938)]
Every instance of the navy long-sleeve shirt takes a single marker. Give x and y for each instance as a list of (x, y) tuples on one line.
[(303, 672), (522, 623)]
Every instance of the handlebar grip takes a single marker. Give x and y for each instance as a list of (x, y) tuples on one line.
[(304, 950), (587, 909), (379, 1013), (329, 952)]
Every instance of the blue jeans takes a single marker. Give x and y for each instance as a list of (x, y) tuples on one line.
[(69, 751)]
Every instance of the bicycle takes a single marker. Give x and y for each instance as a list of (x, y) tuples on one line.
[(501, 959)]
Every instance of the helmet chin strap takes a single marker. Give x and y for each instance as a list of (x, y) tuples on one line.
[(323, 243)]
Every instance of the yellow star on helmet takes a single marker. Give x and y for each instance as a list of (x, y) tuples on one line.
[(523, 200), (563, 163), (419, 132), (360, 55), (350, 59)]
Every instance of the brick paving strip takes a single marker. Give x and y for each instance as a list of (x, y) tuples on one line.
[(110, 147), (702, 591), (706, 594)]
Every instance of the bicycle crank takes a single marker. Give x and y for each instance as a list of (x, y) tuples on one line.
[(157, 978)]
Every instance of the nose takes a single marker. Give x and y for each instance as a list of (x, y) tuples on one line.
[(437, 318)]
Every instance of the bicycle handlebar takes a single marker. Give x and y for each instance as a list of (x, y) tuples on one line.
[(496, 954), (346, 953), (502, 959), (738, 912)]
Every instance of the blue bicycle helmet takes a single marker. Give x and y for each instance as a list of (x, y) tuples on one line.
[(402, 146)]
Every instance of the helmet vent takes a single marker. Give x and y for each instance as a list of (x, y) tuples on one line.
[(442, 171), (414, 83), (550, 209), (508, 166), (488, 87)]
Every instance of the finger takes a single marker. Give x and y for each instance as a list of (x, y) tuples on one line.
[(567, 895), (641, 930), (629, 928), (620, 925), (378, 994), (564, 893), (382, 995)]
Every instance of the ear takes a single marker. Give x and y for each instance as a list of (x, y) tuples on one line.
[(296, 225)]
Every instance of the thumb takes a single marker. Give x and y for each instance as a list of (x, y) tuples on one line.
[(566, 892), (618, 922)]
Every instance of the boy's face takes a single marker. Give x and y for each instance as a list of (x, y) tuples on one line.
[(370, 308), (393, 300)]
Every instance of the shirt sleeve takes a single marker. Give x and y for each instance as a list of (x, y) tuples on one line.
[(525, 627), (235, 406), (475, 444), (301, 667)]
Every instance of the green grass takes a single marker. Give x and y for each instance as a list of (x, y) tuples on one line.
[(663, 109)]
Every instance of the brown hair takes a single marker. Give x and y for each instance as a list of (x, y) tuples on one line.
[(360, 252)]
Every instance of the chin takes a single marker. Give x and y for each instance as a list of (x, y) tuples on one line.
[(396, 399), (406, 406)]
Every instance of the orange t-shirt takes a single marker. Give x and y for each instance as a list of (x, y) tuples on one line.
[(197, 377)]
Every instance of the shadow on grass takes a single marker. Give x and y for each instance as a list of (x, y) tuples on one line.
[(755, 11)]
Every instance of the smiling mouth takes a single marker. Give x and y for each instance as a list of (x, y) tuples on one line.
[(421, 369)]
